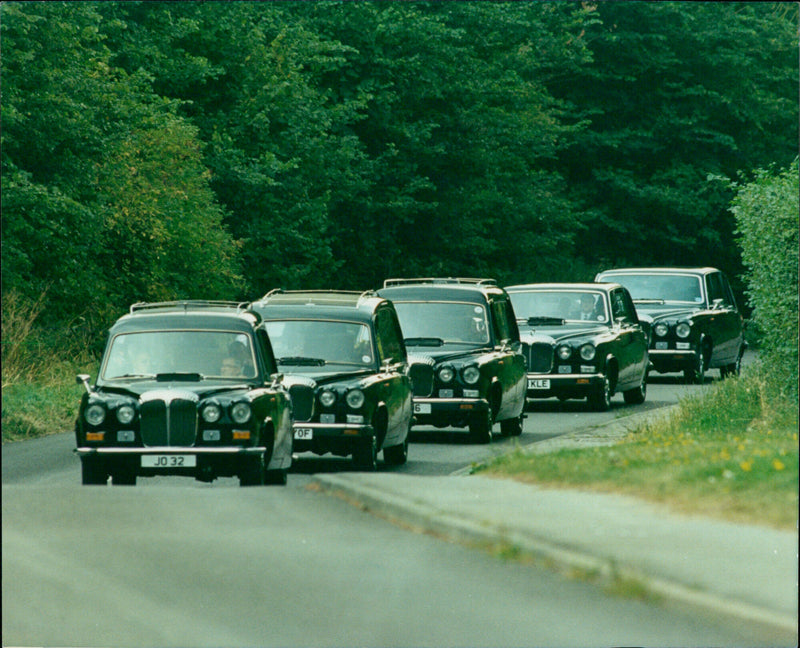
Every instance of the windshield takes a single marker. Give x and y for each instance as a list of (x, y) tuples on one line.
[(321, 343), (223, 354), (450, 322), (553, 306), (669, 288)]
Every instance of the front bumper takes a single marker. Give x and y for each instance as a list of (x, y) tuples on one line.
[(447, 411), (669, 360), (338, 438), (565, 385)]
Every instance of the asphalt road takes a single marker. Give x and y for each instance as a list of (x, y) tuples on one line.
[(174, 562)]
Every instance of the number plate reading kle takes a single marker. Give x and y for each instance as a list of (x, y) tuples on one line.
[(169, 461), (538, 383)]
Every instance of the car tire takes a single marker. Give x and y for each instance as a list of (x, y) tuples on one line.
[(252, 472), (511, 427), (93, 472), (480, 427), (396, 455), (600, 399), (365, 457), (696, 374), (637, 395), (733, 369), (275, 477)]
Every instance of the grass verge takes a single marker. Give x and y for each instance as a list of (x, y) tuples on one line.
[(730, 453)]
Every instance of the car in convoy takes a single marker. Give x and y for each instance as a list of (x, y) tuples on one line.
[(581, 340), (465, 357), (185, 388), (695, 323), (346, 370)]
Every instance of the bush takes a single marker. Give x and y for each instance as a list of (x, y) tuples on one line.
[(766, 212)]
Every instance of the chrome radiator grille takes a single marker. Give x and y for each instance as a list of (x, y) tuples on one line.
[(539, 357), (302, 402), (421, 379), (168, 420)]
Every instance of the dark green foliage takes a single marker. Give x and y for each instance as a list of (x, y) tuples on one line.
[(766, 211), (158, 150)]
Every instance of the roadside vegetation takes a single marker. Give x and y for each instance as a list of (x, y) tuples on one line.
[(730, 451)]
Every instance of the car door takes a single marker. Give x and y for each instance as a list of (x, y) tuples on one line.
[(632, 346), (511, 363), (395, 385), (725, 321)]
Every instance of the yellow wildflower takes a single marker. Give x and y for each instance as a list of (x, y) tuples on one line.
[(777, 464), (747, 466)]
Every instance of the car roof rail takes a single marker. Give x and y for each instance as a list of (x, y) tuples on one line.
[(331, 295), (440, 280), (191, 304)]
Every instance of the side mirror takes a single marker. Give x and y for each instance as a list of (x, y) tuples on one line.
[(717, 304), (83, 379)]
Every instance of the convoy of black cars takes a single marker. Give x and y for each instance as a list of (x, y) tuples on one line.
[(211, 389)]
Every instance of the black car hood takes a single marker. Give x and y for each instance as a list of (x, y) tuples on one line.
[(446, 355), (554, 334), (137, 389), (312, 379), (657, 313)]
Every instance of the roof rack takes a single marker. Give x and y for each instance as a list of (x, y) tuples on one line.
[(331, 294), (440, 280), (190, 304)]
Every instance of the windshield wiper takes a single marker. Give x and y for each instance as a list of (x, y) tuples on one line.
[(542, 320), (424, 341), (187, 376), (649, 300), (302, 361), (131, 375)]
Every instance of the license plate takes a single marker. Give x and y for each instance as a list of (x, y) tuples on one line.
[(422, 408), (661, 346), (303, 434), (538, 383), (169, 461)]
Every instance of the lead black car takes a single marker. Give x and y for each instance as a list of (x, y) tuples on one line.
[(346, 370), (695, 323), (185, 388), (466, 362), (581, 341)]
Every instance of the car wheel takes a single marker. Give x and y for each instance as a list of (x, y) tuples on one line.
[(480, 427), (275, 477), (511, 427), (93, 472), (365, 457), (733, 369), (600, 399), (696, 374), (396, 455), (252, 472), (637, 395)]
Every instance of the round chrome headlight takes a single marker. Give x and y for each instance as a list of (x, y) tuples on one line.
[(125, 414), (327, 398), (240, 413), (471, 375), (211, 413), (446, 374), (588, 352), (660, 329), (564, 351), (683, 329), (95, 414), (354, 398)]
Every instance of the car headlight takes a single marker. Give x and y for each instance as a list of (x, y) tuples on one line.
[(588, 352), (564, 351), (446, 374), (354, 398), (471, 375), (211, 413), (125, 414), (240, 413), (660, 329), (327, 398), (683, 329), (95, 414)]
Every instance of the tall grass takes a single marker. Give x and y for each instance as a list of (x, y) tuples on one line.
[(38, 371)]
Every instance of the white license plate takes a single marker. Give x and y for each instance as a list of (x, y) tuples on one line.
[(538, 383), (661, 346), (169, 461), (422, 408), (303, 434)]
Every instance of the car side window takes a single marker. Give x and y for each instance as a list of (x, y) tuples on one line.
[(389, 337), (730, 300), (715, 288), (500, 323), (618, 306)]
